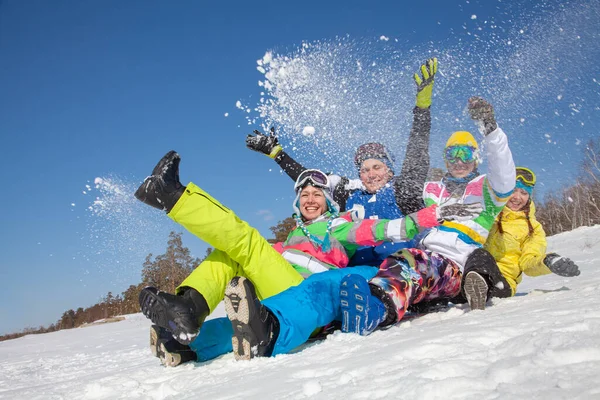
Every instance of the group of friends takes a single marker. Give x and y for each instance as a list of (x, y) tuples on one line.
[(364, 251)]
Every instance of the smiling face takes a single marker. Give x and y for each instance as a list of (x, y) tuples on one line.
[(460, 169), (518, 200), (374, 174), (313, 203)]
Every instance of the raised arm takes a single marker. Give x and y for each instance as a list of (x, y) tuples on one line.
[(269, 145), (501, 174), (415, 167), (533, 252), (341, 187)]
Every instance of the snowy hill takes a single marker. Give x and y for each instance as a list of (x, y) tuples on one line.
[(542, 343)]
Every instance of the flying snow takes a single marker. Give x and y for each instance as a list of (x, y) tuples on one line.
[(357, 90), (308, 131), (120, 230)]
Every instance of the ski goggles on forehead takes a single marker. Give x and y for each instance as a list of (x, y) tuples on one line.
[(313, 176), (526, 176), (466, 154)]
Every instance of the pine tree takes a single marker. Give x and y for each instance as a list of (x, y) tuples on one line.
[(282, 229), (168, 270)]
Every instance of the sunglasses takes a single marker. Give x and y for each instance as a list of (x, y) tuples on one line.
[(313, 176), (466, 154), (526, 176)]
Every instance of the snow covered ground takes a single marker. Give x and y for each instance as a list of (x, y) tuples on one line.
[(542, 343)]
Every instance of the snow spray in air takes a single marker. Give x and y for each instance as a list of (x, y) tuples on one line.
[(120, 230), (537, 66)]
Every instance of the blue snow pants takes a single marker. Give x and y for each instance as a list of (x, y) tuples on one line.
[(300, 310), (213, 340), (313, 303)]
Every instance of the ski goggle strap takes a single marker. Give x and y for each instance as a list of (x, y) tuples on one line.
[(526, 176), (314, 176), (466, 154)]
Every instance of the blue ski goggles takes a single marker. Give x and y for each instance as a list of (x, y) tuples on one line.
[(465, 154), (313, 177)]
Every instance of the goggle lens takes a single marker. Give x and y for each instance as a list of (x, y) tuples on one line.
[(316, 177), (526, 176), (466, 154)]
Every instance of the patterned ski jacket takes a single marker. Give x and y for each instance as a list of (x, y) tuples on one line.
[(516, 250), (457, 240), (346, 235)]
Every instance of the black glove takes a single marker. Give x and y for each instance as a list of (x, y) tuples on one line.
[(483, 112), (560, 265), (262, 143), (459, 212)]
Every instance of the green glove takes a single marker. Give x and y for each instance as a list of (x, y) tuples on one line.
[(425, 83)]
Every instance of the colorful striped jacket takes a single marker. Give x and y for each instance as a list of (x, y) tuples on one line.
[(346, 235), (457, 240)]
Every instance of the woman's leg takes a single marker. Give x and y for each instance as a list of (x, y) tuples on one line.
[(414, 276), (211, 277), (214, 339), (241, 244), (312, 304)]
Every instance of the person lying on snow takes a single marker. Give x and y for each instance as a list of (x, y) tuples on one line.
[(378, 193), (322, 241), (517, 240), (434, 271)]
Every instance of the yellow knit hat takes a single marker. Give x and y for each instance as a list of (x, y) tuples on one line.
[(462, 138)]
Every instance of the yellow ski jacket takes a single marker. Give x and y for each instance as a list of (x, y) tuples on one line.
[(515, 250)]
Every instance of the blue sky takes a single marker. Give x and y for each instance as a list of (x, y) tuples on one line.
[(103, 89)]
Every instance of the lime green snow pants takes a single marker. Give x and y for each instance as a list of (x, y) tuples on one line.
[(240, 250)]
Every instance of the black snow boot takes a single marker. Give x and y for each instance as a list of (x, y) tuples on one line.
[(482, 280), (475, 290), (156, 335), (429, 306), (255, 328), (181, 315), (172, 353), (162, 189)]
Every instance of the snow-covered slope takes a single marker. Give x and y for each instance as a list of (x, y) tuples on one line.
[(542, 343)]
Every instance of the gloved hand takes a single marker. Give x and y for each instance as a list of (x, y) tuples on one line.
[(425, 83), (266, 144), (560, 265), (434, 215), (483, 113), (458, 212)]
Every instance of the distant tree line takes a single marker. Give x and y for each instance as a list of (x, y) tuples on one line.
[(577, 204), (165, 271), (573, 206)]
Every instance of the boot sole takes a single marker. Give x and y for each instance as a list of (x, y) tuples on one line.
[(239, 306), (167, 358), (354, 292), (154, 337), (476, 289)]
